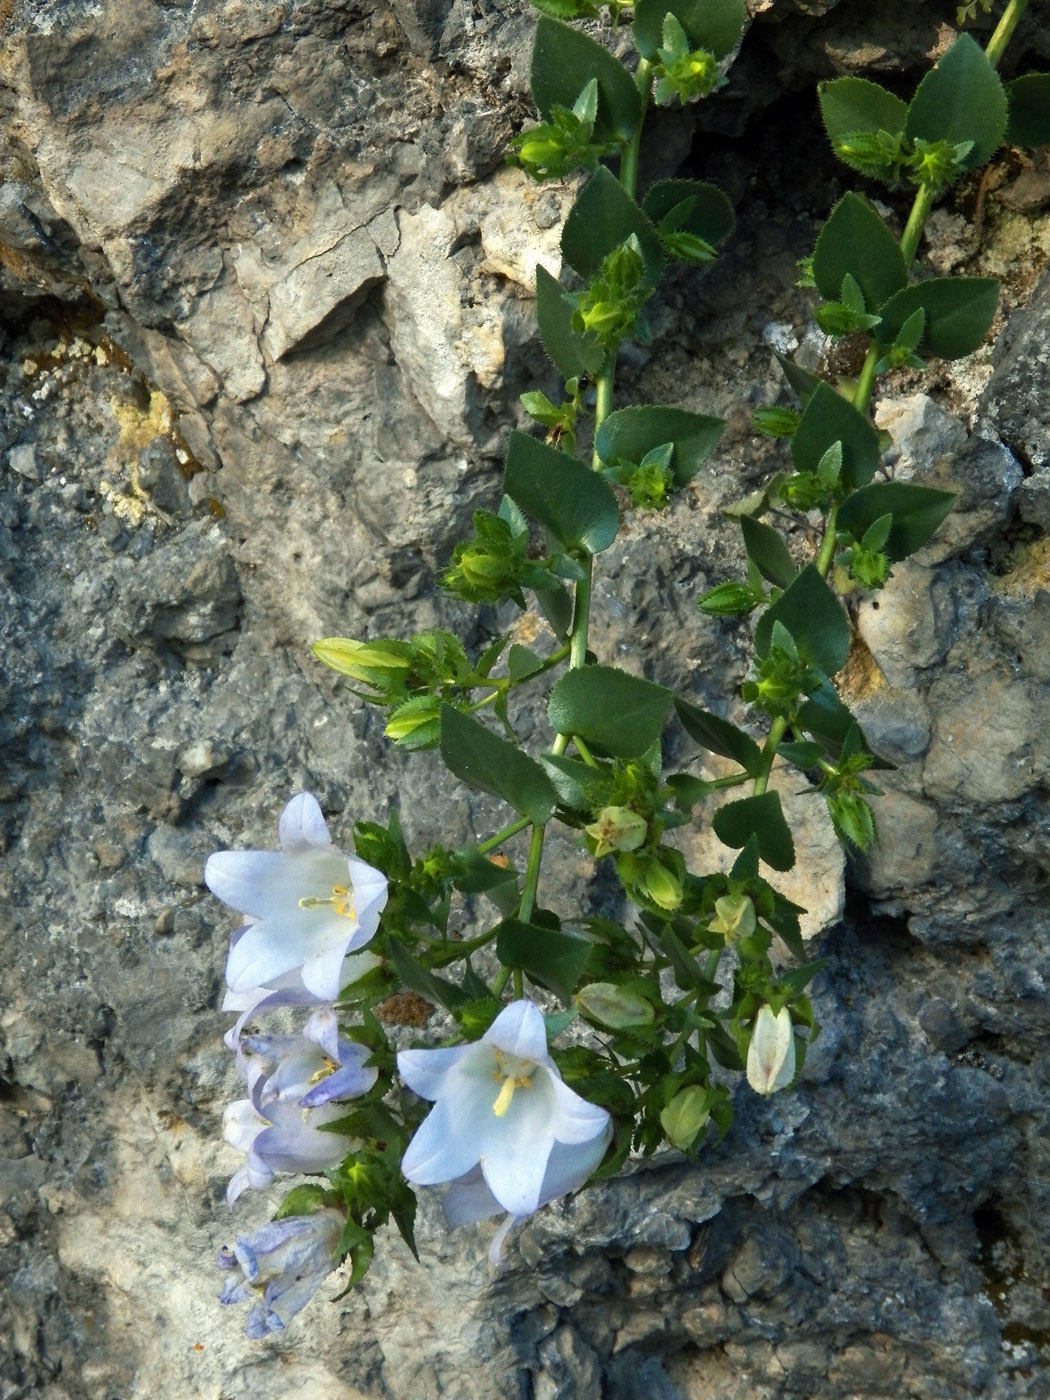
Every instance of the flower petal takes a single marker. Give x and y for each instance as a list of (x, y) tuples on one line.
[(425, 1071), (516, 1168), (302, 823), (575, 1119), (446, 1143), (519, 1030)]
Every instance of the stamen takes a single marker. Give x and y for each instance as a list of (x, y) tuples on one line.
[(340, 901), (506, 1093)]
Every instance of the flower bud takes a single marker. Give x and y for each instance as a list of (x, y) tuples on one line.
[(612, 1006), (661, 885), (617, 829), (684, 1116), (734, 917), (371, 662), (771, 1054)]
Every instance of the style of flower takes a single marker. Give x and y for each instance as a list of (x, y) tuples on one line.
[(279, 1125), (505, 1128), (308, 905), (771, 1054), (281, 1266)]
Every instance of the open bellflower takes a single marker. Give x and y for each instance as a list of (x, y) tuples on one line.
[(280, 1266), (504, 1129), (308, 906), (771, 1054)]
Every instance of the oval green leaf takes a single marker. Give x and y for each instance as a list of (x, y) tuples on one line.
[(813, 615), (630, 433), (856, 242), (959, 312), (564, 60), (917, 511), (573, 355), (1029, 110), (574, 503), (715, 25), (603, 217), (619, 713), (482, 759), (962, 99), (829, 418), (736, 823)]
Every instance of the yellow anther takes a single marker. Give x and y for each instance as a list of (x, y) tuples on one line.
[(339, 901), (506, 1093), (329, 1067)]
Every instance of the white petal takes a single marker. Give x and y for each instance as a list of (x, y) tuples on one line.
[(302, 823), (575, 1119), (514, 1168), (469, 1199), (425, 1071), (519, 1030), (321, 975), (771, 1054), (568, 1167), (370, 894), (446, 1144), (241, 1125)]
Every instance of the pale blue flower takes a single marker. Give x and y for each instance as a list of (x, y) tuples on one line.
[(308, 906), (280, 1266), (501, 1107)]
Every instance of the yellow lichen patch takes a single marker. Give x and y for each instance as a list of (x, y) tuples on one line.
[(861, 677), (139, 426), (129, 509), (1027, 570)]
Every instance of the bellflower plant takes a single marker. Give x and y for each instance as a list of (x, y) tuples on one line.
[(670, 992)]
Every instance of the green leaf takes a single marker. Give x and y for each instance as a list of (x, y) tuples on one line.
[(962, 99), (574, 503), (829, 418), (631, 433), (573, 355), (811, 612), (856, 243), (802, 382), (556, 606), (717, 735), (959, 312), (805, 754), (1029, 104), (417, 979), (831, 722), (567, 9), (689, 206), (477, 874), (762, 817), (574, 782), (771, 555), (563, 59), (620, 713), (853, 105), (714, 25), (481, 758), (603, 217), (917, 512), (522, 662), (553, 959)]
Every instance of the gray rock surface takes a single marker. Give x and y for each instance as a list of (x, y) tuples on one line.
[(230, 423)]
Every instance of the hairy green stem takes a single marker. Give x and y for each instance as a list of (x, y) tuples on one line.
[(1004, 31), (826, 552), (532, 875), (769, 752), (629, 163), (916, 221), (491, 842)]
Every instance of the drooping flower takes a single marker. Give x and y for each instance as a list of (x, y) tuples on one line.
[(279, 1125), (771, 1054), (504, 1127), (281, 1266), (308, 905)]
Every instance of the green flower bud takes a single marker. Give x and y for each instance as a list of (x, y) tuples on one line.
[(728, 600), (614, 1007), (775, 421), (661, 885), (685, 1115), (617, 829), (417, 723), (734, 917), (370, 662)]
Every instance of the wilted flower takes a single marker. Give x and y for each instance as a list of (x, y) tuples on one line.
[(771, 1054), (504, 1126), (280, 1266), (309, 904), (278, 1127)]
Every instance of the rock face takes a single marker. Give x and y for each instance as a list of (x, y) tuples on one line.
[(265, 319)]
